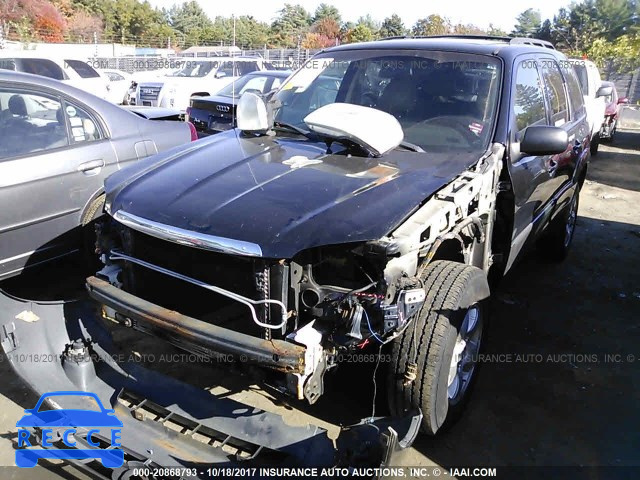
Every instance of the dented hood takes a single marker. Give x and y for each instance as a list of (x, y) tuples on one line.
[(283, 194)]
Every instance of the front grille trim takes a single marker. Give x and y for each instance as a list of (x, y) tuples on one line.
[(188, 237)]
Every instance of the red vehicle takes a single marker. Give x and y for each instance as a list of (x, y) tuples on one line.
[(608, 128)]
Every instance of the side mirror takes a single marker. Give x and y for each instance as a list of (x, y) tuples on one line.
[(604, 91), (544, 140), (623, 100), (220, 75), (252, 113)]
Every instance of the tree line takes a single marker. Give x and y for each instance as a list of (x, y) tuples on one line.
[(599, 29), (606, 31)]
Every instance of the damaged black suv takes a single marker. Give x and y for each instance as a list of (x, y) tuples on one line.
[(365, 203)]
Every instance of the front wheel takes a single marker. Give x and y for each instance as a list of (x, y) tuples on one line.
[(442, 346), (88, 221), (556, 242)]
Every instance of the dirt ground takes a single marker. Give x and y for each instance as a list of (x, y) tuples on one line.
[(559, 384)]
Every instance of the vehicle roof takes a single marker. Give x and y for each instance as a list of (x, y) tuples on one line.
[(473, 44), (37, 54), (38, 80)]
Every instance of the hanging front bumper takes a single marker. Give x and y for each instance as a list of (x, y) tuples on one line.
[(169, 423)]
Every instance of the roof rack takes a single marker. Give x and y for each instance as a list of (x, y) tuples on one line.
[(532, 41), (510, 40)]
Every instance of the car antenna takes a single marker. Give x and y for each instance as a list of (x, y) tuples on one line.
[(234, 103)]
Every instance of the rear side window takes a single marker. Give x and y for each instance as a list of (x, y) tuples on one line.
[(82, 126), (528, 106), (554, 87), (82, 69), (573, 87)]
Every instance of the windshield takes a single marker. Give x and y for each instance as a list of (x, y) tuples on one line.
[(195, 69), (443, 100)]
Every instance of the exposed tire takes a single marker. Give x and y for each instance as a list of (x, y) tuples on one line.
[(595, 144), (444, 342), (91, 214), (556, 242)]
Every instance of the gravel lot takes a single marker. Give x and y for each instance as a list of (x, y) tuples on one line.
[(551, 390)]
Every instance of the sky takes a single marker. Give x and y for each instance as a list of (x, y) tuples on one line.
[(501, 13)]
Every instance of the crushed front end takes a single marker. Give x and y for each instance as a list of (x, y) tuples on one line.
[(294, 317)]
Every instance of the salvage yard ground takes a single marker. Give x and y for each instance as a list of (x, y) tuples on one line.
[(560, 382)]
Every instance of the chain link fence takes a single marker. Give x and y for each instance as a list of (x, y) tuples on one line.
[(276, 58)]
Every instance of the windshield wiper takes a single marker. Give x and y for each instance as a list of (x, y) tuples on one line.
[(291, 128), (412, 147)]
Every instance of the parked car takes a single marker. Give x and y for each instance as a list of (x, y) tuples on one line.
[(68, 70), (369, 202), (612, 110), (216, 113), (57, 145), (146, 76), (593, 93), (119, 86), (196, 77)]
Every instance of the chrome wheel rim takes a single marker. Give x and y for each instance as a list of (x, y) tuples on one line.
[(465, 354), (571, 222)]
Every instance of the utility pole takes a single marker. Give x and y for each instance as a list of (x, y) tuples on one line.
[(234, 30)]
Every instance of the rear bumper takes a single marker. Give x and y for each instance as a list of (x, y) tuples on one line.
[(150, 404)]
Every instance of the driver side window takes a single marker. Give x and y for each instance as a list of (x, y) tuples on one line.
[(528, 106)]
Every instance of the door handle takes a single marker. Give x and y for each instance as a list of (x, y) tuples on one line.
[(91, 167)]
